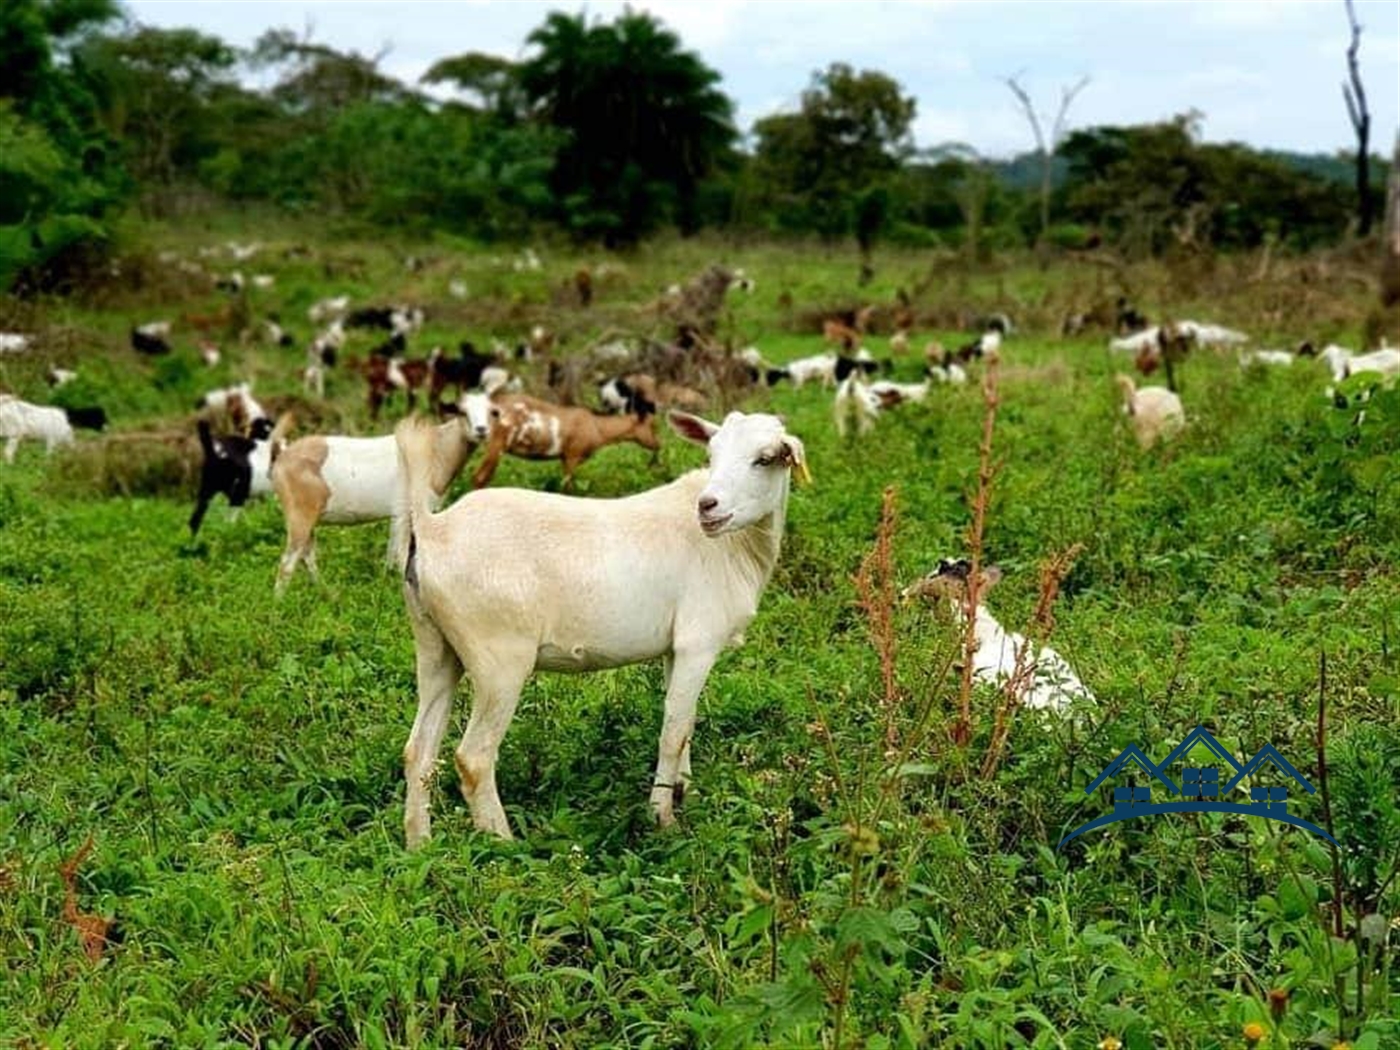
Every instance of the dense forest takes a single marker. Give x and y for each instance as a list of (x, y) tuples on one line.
[(606, 132)]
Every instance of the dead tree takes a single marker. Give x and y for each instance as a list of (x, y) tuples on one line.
[(1355, 96), (1057, 134)]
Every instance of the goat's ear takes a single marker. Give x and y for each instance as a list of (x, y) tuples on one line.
[(796, 456), (694, 429)]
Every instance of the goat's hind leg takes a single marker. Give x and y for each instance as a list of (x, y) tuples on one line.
[(497, 680), (439, 671)]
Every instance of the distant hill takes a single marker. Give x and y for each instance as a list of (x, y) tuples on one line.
[(1022, 172)]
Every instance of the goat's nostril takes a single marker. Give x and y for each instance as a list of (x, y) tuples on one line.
[(707, 504)]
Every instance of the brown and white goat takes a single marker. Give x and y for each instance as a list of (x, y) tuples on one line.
[(350, 480), (533, 429)]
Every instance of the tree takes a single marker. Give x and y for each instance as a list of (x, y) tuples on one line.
[(1046, 149), (493, 81), (645, 121), (154, 87), (1355, 95), (822, 168), (56, 177)]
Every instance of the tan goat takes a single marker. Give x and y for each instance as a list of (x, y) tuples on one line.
[(533, 429)]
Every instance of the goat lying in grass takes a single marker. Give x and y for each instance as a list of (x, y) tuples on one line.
[(20, 420), (507, 581), (1037, 677), (533, 429), (350, 480), (235, 465)]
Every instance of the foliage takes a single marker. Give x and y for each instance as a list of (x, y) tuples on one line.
[(819, 166), (644, 122)]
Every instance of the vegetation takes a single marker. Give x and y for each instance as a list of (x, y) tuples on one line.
[(866, 861), (609, 131)]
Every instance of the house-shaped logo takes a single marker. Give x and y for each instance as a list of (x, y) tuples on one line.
[(1202, 790)]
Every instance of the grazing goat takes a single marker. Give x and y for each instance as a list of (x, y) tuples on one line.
[(1156, 412), (235, 465), (328, 309), (349, 480), (534, 429), (506, 582), (20, 420), (863, 402), (150, 339), (1035, 677), (58, 377), (13, 342), (463, 372), (820, 368), (385, 374), (621, 394)]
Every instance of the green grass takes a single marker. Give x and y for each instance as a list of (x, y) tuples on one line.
[(237, 760)]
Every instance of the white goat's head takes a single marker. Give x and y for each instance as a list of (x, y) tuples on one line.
[(476, 411), (750, 456)]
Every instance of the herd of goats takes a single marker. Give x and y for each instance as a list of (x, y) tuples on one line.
[(675, 572)]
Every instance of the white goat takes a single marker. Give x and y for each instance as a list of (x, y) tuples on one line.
[(818, 368), (20, 420), (1212, 336), (13, 342), (1156, 412), (1146, 339), (1039, 678), (507, 581), (350, 480), (1267, 357), (328, 309), (863, 402)]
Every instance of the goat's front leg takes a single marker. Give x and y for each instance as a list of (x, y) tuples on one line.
[(687, 671), (439, 670)]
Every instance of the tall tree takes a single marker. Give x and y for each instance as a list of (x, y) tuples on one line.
[(644, 119), (492, 82), (1355, 95), (822, 167), (1046, 147)]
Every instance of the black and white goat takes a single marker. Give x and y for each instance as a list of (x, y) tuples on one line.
[(237, 466)]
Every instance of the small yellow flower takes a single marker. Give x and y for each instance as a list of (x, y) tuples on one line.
[(1253, 1033), (1341, 1046), (1110, 1042)]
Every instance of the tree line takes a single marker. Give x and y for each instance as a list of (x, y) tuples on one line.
[(608, 130)]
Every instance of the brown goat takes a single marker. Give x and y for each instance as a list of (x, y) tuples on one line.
[(533, 429)]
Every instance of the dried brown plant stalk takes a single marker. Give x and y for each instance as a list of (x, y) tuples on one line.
[(875, 593), (1042, 624), (92, 929)]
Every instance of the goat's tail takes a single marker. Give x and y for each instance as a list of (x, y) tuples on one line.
[(413, 500)]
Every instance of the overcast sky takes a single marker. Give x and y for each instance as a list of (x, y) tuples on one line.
[(1265, 72)]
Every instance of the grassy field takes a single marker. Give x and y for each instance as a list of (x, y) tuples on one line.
[(235, 761)]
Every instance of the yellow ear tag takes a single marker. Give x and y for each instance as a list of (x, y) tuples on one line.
[(803, 474)]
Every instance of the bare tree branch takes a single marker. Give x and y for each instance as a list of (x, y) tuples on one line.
[(1355, 96), (1057, 134)]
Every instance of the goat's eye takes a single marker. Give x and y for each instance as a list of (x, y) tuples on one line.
[(763, 461)]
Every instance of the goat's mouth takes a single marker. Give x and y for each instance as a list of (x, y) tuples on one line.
[(714, 526)]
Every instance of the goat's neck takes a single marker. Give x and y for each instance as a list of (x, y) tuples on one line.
[(757, 547), (619, 428), (450, 451)]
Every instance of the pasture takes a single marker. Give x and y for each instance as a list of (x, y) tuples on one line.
[(848, 870)]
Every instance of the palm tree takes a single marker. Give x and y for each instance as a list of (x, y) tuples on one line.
[(645, 121)]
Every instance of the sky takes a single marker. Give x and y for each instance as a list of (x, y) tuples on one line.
[(1264, 72)]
